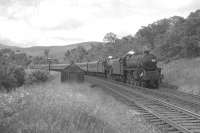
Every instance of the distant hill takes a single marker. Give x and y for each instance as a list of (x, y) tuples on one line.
[(2, 46), (55, 51)]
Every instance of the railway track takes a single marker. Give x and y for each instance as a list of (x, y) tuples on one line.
[(189, 103), (168, 117), (181, 99)]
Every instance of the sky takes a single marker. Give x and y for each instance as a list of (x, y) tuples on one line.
[(27, 23)]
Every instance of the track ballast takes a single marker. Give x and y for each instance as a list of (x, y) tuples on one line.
[(168, 117)]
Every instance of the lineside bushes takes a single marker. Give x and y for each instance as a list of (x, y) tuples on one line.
[(12, 70), (37, 76), (11, 77)]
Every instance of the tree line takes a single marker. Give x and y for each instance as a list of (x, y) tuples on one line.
[(168, 38)]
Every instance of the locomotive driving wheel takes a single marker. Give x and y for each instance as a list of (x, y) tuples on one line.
[(143, 84), (137, 83), (156, 84), (128, 78)]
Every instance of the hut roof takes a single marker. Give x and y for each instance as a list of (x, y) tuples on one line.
[(73, 68)]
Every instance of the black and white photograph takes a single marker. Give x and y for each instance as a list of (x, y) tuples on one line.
[(99, 66)]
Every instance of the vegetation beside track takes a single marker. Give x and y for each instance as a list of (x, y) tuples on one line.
[(73, 108), (184, 74)]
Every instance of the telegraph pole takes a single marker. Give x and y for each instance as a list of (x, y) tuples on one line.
[(49, 62)]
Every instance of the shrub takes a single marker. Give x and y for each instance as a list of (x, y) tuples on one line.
[(38, 76), (19, 74), (11, 77)]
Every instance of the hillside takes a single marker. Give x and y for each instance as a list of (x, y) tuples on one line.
[(55, 51), (183, 73), (2, 46)]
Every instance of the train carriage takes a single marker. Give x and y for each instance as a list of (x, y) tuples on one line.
[(100, 67), (92, 68), (116, 71)]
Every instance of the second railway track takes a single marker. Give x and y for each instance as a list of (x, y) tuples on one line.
[(168, 117)]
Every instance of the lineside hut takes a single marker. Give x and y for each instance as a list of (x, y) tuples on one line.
[(72, 73)]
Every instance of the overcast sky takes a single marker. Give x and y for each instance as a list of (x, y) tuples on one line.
[(61, 22)]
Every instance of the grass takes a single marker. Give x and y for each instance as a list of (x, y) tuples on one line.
[(183, 73), (53, 107)]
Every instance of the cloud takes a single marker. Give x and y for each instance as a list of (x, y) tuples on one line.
[(69, 24), (10, 8), (22, 2), (67, 21)]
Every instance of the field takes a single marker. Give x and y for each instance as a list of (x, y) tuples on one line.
[(53, 107), (184, 74)]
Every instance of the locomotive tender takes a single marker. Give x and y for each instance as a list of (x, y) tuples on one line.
[(134, 69)]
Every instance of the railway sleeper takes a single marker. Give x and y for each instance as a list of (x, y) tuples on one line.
[(176, 117), (183, 119), (160, 124), (148, 114), (191, 124), (156, 120), (176, 131), (140, 109), (192, 127), (179, 117), (165, 126), (198, 122), (172, 112), (150, 117), (144, 113), (169, 114), (171, 129), (196, 131)]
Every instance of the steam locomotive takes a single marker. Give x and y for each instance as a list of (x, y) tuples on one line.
[(134, 69)]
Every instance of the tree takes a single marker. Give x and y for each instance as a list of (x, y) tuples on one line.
[(67, 54), (77, 54), (46, 53), (128, 38), (191, 46), (21, 59), (39, 60), (110, 37), (12, 73)]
